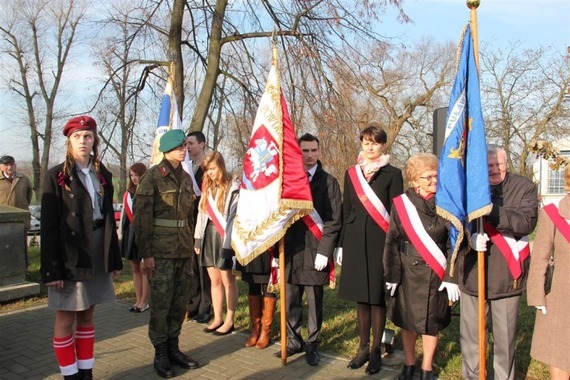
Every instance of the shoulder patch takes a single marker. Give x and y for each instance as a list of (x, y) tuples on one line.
[(163, 171)]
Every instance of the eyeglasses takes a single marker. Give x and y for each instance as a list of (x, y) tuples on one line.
[(429, 178)]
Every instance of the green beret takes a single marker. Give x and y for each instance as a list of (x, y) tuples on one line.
[(171, 139)]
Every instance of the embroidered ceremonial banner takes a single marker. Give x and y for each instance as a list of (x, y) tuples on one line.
[(216, 216), (275, 190), (128, 205), (514, 251), (463, 192), (419, 237), (559, 222), (368, 197)]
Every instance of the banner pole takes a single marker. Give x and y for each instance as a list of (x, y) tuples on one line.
[(282, 301), (473, 5)]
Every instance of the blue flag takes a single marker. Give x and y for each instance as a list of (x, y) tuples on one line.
[(168, 119), (463, 192)]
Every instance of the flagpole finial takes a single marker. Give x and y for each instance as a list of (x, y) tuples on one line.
[(473, 4)]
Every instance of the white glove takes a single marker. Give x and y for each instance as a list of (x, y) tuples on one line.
[(479, 242), (452, 290), (541, 308), (338, 255), (321, 262), (234, 262), (391, 287)]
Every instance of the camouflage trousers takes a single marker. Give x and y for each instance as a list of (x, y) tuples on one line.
[(169, 290)]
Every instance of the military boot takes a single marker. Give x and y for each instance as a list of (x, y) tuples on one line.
[(86, 374), (178, 357), (161, 362), (75, 376)]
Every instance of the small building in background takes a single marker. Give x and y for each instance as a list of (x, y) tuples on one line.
[(551, 181)]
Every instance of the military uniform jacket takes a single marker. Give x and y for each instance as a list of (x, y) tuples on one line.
[(515, 211), (161, 196), (301, 245), (417, 305), (362, 239), (18, 193), (67, 227)]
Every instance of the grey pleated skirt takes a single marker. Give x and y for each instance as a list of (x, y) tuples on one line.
[(81, 295)]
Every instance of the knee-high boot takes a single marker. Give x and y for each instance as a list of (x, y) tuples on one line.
[(266, 320), (255, 306)]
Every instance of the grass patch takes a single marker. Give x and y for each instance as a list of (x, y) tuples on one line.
[(340, 333)]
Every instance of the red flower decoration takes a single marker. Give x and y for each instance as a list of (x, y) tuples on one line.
[(61, 179), (102, 179)]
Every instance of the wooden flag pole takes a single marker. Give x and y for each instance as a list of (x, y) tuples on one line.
[(473, 5), (282, 301)]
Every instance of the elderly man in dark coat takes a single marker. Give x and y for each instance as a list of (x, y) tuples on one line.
[(309, 253)]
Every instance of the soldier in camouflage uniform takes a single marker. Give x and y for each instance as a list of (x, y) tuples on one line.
[(163, 221)]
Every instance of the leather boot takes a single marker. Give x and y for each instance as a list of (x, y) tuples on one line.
[(361, 357), (255, 305), (426, 375), (75, 376), (177, 357), (375, 361), (161, 362), (407, 372), (266, 320), (86, 374)]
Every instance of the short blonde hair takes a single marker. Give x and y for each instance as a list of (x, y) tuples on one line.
[(419, 163), (567, 178)]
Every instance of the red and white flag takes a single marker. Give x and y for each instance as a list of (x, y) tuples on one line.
[(275, 190)]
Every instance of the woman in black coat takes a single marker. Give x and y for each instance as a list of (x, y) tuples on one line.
[(374, 181), (79, 250), (415, 265)]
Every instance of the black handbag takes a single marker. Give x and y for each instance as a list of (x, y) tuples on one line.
[(549, 271)]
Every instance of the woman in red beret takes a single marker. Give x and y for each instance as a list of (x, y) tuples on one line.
[(80, 250)]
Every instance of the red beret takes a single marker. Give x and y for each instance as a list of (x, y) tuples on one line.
[(80, 123)]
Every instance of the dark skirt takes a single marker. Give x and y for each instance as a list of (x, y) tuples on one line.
[(211, 253), (129, 248), (257, 271)]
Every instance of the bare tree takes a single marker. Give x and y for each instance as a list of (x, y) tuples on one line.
[(524, 92), (38, 37)]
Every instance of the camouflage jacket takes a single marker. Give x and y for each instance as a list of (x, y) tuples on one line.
[(161, 200)]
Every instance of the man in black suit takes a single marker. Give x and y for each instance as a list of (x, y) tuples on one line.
[(200, 302), (309, 252)]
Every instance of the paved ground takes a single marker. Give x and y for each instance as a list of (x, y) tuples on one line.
[(123, 351)]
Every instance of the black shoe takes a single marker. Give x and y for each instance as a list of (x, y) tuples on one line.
[(161, 362), (86, 374), (375, 361), (213, 329), (407, 372), (203, 318), (182, 360), (361, 357), (426, 375), (219, 333), (312, 356), (290, 352)]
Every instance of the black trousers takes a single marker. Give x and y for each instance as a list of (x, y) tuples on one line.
[(294, 305), (200, 300)]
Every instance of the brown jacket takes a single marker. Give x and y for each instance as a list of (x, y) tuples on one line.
[(551, 338), (16, 194)]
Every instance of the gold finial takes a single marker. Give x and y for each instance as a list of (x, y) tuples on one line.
[(473, 4)]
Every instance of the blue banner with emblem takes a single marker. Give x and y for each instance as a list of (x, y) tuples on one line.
[(463, 192)]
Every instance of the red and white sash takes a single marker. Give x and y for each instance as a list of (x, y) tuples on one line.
[(559, 222), (128, 205), (368, 197), (216, 216), (512, 250), (315, 224), (419, 237)]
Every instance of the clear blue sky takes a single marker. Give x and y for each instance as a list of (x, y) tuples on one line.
[(533, 23)]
